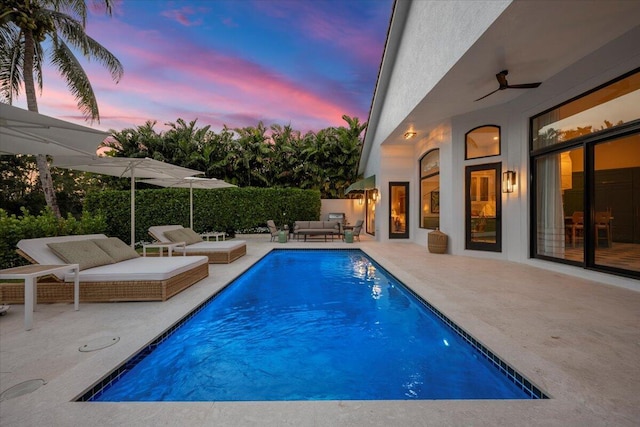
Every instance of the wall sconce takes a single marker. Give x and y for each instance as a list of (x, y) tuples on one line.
[(409, 135), (361, 200), (508, 181), (375, 195)]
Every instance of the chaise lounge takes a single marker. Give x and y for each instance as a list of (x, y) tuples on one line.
[(223, 252), (115, 273)]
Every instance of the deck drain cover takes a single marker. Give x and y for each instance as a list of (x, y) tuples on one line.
[(99, 344), (22, 388)]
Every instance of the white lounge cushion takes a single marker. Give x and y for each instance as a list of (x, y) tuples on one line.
[(130, 270), (140, 269)]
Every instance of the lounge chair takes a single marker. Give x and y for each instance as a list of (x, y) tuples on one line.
[(132, 279), (223, 252)]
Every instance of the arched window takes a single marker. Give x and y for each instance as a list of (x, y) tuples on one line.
[(430, 190), (483, 141)]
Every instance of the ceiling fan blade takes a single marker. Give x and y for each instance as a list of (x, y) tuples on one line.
[(524, 86), (490, 93)]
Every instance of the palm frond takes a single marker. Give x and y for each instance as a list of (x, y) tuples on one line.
[(11, 61), (77, 81), (73, 32)]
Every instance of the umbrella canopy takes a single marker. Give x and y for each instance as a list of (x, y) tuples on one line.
[(189, 182), (364, 184), (125, 167), (26, 132)]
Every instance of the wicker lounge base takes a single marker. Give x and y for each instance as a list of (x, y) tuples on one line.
[(159, 290), (223, 257)]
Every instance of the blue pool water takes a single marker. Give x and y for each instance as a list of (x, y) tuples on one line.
[(311, 325)]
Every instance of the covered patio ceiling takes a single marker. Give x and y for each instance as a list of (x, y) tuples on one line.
[(533, 40)]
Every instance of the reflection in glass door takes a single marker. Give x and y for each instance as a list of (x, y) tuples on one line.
[(483, 206), (371, 198), (615, 221), (398, 210)]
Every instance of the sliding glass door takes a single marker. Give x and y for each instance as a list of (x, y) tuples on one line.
[(585, 158)]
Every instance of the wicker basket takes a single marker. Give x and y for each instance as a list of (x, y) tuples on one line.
[(437, 242)]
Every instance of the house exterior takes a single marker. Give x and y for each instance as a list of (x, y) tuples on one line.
[(547, 173)]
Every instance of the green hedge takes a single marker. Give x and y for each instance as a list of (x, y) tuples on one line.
[(26, 226), (232, 210)]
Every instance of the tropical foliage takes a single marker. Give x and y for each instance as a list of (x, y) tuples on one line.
[(25, 25), (253, 156), (274, 157)]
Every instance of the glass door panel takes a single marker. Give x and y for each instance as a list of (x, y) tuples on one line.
[(483, 207), (398, 210), (560, 205), (616, 203)]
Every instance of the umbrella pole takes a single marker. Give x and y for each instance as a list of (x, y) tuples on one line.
[(191, 204), (133, 207)]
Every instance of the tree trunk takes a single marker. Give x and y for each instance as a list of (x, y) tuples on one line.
[(32, 104)]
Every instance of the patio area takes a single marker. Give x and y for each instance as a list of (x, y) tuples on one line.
[(577, 340)]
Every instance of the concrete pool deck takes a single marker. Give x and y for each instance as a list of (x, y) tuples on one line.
[(578, 340)]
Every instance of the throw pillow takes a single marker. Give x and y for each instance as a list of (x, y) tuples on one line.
[(176, 235), (83, 252), (116, 249), (192, 236)]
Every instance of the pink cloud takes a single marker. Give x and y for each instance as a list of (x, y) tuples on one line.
[(182, 16), (167, 78)]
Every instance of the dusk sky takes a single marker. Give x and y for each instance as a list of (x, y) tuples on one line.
[(234, 62)]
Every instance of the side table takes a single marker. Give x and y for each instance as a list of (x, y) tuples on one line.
[(170, 246), (215, 234), (30, 274)]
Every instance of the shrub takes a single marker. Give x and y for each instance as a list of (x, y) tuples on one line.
[(233, 210), (26, 226)]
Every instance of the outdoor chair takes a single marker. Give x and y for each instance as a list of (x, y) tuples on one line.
[(357, 228), (272, 229)]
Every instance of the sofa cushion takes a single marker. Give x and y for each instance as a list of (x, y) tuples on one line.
[(116, 249), (177, 235), (331, 225), (83, 252), (192, 236)]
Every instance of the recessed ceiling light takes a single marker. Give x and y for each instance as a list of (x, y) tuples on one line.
[(409, 135)]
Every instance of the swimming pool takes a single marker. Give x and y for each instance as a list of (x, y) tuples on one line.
[(314, 325)]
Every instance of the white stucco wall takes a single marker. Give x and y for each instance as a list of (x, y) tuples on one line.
[(349, 207), (394, 163), (453, 28)]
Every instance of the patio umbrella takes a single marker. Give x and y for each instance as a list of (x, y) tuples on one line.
[(189, 182), (132, 168), (26, 132)]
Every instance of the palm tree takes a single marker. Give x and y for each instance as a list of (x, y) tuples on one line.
[(24, 26)]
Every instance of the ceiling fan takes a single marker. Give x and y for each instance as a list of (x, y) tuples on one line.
[(502, 81)]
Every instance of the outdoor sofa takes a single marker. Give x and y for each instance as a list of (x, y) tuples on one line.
[(110, 271), (316, 228), (223, 252)]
